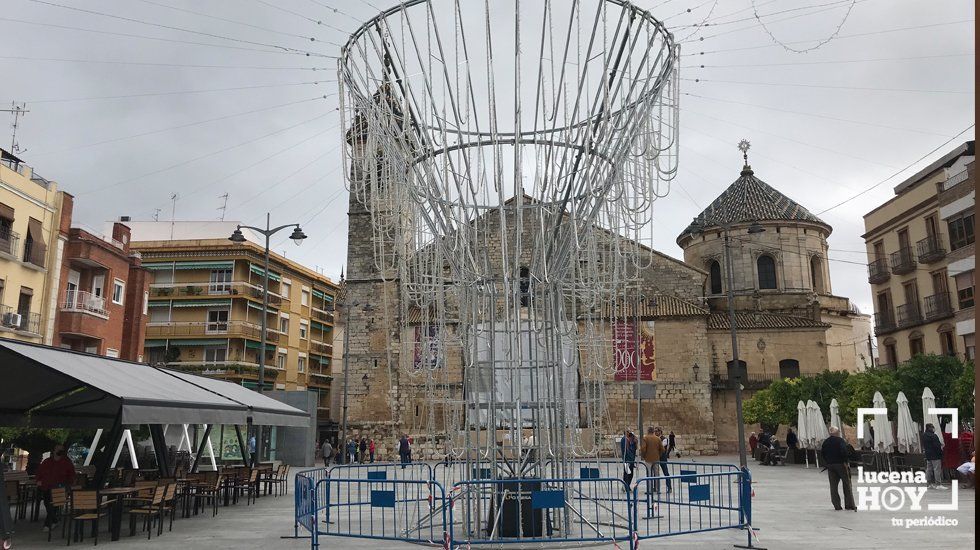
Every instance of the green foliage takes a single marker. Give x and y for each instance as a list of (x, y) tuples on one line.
[(860, 388), (773, 405), (936, 372), (963, 391)]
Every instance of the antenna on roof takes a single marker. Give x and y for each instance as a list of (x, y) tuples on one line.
[(18, 111), (224, 206), (173, 214)]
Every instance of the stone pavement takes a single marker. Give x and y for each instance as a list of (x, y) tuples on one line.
[(792, 510)]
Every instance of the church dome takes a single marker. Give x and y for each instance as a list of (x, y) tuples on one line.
[(748, 200)]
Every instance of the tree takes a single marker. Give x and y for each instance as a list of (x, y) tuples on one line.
[(859, 390), (962, 395), (936, 372), (774, 405)]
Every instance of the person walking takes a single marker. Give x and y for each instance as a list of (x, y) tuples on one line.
[(672, 444), (54, 471), (363, 448), (932, 447), (835, 455), (351, 451), (651, 449), (326, 452), (665, 456), (371, 449), (251, 450), (753, 443), (404, 451), (627, 449)]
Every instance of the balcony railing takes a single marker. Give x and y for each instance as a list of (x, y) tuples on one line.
[(903, 261), (753, 381), (931, 249), (10, 319), (217, 368), (240, 329), (9, 242), (79, 300), (884, 322), (235, 288), (322, 348), (908, 315), (322, 315), (878, 271), (938, 306)]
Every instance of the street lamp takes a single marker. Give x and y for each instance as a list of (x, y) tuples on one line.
[(238, 237)]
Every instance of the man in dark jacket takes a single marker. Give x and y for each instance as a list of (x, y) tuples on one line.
[(932, 447), (835, 456)]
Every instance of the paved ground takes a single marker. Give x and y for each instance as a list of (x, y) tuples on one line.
[(792, 511)]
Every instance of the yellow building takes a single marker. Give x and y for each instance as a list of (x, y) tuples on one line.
[(34, 215), (205, 309), (911, 240)]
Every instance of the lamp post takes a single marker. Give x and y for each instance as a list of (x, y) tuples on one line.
[(700, 224), (237, 237)]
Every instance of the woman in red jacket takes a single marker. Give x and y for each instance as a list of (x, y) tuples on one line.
[(55, 471)]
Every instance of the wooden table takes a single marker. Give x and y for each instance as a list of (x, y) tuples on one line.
[(115, 515)]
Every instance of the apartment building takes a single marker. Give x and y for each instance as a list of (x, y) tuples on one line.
[(912, 243), (205, 308), (34, 217), (103, 295), (957, 204)]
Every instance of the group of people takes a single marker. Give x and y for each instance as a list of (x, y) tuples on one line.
[(362, 451), (655, 449), (766, 448)]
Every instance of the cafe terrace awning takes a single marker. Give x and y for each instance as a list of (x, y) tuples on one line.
[(49, 387), (263, 410)]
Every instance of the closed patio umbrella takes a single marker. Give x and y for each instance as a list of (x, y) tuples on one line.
[(884, 440), (818, 429), (801, 429), (908, 433), (928, 402), (835, 416)]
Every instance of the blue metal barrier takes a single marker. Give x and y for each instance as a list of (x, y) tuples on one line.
[(384, 501), (421, 471), (394, 509), (540, 510), (304, 490), (696, 502)]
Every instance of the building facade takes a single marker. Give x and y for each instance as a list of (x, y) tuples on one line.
[(205, 309), (789, 321), (103, 295), (921, 259), (34, 219)]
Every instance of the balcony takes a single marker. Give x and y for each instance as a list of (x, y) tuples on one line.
[(231, 329), (84, 302), (321, 348), (197, 290), (28, 323), (938, 306), (878, 271), (9, 243), (931, 249), (903, 261), (909, 315), (322, 315), (754, 381), (884, 322), (218, 369)]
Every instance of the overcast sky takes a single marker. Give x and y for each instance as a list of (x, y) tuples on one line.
[(123, 114)]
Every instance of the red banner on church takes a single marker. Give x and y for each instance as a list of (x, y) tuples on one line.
[(625, 342)]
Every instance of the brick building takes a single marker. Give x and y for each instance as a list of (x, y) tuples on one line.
[(103, 295)]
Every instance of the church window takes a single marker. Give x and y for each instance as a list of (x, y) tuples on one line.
[(789, 368), (767, 272), (816, 274), (715, 270)]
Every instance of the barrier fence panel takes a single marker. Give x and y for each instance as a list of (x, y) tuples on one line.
[(420, 471), (540, 510), (395, 509), (450, 473), (304, 488), (689, 502)]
